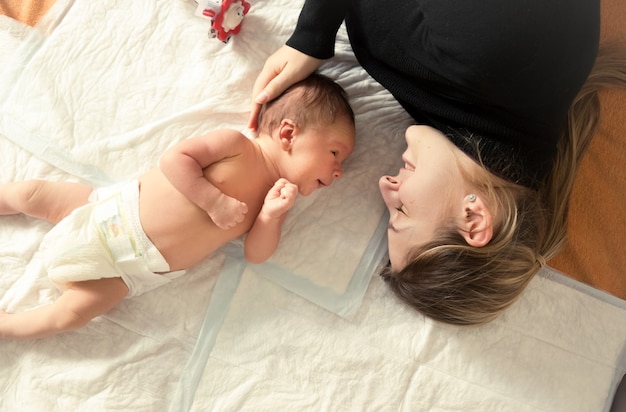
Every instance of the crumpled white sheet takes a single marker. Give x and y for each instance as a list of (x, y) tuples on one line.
[(557, 349), (97, 92)]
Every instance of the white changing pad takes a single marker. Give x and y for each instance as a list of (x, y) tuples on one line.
[(155, 79)]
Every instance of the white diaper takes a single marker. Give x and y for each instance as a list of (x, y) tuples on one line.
[(104, 239)]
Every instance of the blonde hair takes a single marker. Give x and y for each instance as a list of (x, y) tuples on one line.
[(314, 100), (453, 282)]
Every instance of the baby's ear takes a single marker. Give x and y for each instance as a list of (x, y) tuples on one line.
[(286, 133)]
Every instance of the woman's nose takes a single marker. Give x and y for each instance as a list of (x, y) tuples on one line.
[(389, 182)]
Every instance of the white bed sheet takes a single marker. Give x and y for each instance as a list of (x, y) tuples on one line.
[(97, 92)]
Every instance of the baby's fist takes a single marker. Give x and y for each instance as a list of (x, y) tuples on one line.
[(280, 198)]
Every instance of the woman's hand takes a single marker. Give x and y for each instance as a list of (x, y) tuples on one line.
[(281, 70)]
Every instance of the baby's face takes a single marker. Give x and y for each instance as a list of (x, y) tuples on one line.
[(318, 154)]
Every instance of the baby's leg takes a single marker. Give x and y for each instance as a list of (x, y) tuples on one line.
[(51, 201), (79, 304)]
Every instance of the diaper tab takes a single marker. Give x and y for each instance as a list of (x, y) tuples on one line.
[(117, 236)]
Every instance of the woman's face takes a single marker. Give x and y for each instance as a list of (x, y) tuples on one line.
[(427, 191)]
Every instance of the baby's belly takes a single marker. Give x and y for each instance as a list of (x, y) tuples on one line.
[(185, 250), (184, 240), (182, 231)]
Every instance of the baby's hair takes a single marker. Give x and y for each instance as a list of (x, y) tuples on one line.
[(314, 100), (453, 282)]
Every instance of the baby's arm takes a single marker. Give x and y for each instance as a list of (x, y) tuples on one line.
[(79, 304), (262, 239), (184, 163)]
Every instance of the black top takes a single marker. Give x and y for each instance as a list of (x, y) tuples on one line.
[(500, 74)]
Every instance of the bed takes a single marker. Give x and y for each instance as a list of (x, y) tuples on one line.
[(96, 91)]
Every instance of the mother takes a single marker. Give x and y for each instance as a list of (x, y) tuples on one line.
[(480, 203)]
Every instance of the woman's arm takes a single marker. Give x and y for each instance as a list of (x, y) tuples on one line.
[(317, 27)]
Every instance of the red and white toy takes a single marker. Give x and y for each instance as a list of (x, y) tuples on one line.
[(226, 16)]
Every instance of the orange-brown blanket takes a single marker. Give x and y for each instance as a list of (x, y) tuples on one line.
[(26, 11), (595, 252)]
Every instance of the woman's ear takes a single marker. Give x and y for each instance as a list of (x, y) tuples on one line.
[(477, 226), (286, 133)]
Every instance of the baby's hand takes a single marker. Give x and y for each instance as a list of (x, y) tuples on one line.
[(280, 198), (227, 212)]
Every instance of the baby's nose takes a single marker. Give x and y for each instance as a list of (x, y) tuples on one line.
[(338, 172)]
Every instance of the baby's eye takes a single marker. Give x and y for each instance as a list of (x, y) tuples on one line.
[(334, 152), (400, 209)]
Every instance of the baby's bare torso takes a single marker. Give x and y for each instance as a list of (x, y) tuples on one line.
[(182, 231)]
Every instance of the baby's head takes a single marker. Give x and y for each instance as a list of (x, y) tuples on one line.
[(316, 100), (314, 125)]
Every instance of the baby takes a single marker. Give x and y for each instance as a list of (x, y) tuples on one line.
[(122, 241)]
